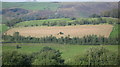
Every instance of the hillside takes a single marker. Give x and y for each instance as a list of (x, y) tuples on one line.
[(80, 9), (59, 33)]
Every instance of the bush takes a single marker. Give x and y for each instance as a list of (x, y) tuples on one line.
[(97, 56), (48, 56), (15, 58)]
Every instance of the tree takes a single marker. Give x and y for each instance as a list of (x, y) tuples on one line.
[(16, 36), (97, 56), (15, 58), (48, 56), (73, 18), (95, 16)]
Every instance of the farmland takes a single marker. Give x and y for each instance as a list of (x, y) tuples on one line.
[(68, 51), (73, 31), (40, 22), (67, 22), (57, 33), (115, 31), (3, 28)]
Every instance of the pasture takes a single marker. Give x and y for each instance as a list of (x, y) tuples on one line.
[(68, 51), (3, 28), (40, 22), (67, 22), (73, 31), (115, 31)]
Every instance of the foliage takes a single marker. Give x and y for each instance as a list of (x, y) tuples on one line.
[(67, 22), (97, 56), (95, 16), (3, 28), (86, 40), (48, 56), (15, 58), (111, 13), (115, 32), (69, 51)]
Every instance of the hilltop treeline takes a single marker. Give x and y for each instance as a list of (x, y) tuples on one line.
[(114, 13), (86, 40)]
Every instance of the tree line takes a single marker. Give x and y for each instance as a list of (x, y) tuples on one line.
[(114, 13), (85, 21), (86, 40)]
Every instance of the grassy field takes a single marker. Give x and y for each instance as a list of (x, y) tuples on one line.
[(40, 22), (63, 20), (32, 5), (115, 31), (68, 51), (73, 31), (3, 28)]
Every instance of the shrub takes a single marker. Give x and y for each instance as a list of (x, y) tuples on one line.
[(48, 56), (96, 56), (15, 58)]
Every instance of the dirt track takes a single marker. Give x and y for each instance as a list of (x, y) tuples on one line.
[(73, 31)]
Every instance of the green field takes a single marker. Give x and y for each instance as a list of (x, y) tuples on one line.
[(68, 51), (65, 20), (40, 22), (32, 5), (3, 28), (115, 32)]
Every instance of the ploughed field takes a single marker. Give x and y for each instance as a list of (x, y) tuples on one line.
[(73, 31)]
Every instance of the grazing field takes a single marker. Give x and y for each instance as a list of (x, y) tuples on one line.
[(66, 22), (68, 51), (115, 31), (3, 28), (40, 22), (73, 31)]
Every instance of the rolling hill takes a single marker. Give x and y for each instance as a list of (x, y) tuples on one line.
[(79, 9)]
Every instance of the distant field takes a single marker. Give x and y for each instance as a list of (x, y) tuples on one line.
[(73, 31), (68, 51), (31, 5), (64, 21), (40, 22)]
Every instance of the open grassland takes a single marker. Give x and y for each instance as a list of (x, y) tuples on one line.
[(3, 28), (32, 5), (65, 21), (115, 31), (68, 51), (40, 22), (73, 31)]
